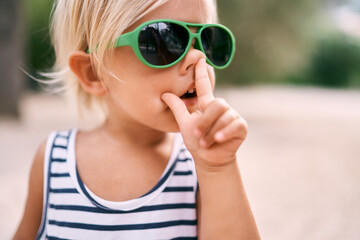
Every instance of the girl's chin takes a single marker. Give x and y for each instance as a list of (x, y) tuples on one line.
[(169, 124), (171, 128)]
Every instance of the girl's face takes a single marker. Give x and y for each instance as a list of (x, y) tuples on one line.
[(136, 100)]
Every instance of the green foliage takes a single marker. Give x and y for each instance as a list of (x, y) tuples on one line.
[(335, 62), (273, 37), (40, 54)]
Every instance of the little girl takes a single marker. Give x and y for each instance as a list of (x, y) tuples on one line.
[(149, 64)]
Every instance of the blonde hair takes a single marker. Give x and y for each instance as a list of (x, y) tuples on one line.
[(82, 24)]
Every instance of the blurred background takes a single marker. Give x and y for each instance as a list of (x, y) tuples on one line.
[(295, 79)]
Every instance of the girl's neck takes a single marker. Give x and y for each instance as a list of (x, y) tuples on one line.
[(142, 137)]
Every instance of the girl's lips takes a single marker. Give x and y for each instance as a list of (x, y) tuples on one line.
[(189, 102)]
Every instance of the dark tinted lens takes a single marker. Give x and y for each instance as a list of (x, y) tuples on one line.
[(217, 45), (162, 43)]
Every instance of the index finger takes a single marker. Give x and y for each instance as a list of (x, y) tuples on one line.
[(203, 85), (177, 107)]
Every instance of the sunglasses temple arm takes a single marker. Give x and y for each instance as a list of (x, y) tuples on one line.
[(127, 39)]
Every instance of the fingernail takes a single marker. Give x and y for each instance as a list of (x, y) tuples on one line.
[(201, 61), (197, 132), (163, 96)]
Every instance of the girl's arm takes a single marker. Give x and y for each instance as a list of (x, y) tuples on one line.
[(213, 133), (224, 211), (31, 219)]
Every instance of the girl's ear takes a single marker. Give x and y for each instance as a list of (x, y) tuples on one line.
[(80, 64)]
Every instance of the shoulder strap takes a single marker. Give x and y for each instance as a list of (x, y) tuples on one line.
[(48, 150), (54, 140)]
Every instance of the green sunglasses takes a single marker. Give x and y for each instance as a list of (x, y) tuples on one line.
[(163, 43)]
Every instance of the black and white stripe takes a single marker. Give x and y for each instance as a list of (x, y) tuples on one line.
[(72, 211)]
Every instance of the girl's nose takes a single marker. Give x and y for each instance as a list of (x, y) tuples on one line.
[(191, 58)]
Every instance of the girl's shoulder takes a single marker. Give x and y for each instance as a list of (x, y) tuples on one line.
[(31, 219)]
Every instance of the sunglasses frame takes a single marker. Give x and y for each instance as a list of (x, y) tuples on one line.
[(131, 39)]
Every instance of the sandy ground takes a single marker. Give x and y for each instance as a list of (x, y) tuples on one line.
[(300, 162)]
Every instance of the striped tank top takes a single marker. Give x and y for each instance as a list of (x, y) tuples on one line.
[(72, 211)]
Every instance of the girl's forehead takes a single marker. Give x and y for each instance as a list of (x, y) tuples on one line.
[(192, 11), (195, 11)]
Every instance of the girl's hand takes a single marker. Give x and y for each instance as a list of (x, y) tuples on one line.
[(215, 131)]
